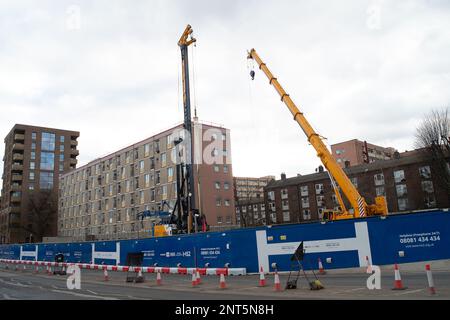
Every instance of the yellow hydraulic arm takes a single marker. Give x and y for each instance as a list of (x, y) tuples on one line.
[(360, 207)]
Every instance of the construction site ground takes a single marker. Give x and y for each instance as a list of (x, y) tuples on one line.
[(339, 284)]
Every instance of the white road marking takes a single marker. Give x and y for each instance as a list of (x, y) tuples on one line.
[(92, 292), (84, 295), (408, 292)]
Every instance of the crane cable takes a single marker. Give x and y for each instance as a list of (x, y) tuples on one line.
[(193, 78)]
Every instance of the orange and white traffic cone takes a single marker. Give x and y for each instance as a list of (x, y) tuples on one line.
[(369, 265), (198, 277), (398, 285), (158, 278), (262, 278), (36, 270), (222, 284), (321, 269), (430, 279), (277, 286), (105, 275), (194, 278), (50, 270)]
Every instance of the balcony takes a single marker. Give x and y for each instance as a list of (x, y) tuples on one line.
[(17, 177), (19, 137), (18, 157), (74, 152), (74, 143), (16, 187), (73, 161), (17, 167), (18, 146)]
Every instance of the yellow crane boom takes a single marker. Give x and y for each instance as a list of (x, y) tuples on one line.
[(360, 207)]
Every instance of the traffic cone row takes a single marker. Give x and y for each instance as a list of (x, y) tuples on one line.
[(262, 279), (222, 284), (277, 286), (398, 285), (194, 278), (430, 279), (198, 277), (158, 279), (321, 269), (105, 275)]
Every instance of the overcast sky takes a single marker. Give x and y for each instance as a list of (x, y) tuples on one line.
[(111, 70)]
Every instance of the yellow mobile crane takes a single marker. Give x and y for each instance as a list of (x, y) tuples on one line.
[(337, 174)]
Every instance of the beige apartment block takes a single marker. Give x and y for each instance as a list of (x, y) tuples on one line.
[(102, 199)]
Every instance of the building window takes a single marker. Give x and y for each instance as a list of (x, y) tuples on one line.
[(47, 161), (61, 167), (33, 146), (225, 168), (31, 186), (401, 190), (354, 181), (152, 163), (228, 219), (338, 151), (427, 186), (285, 205), (425, 172), (399, 176), (32, 165), (141, 197), (147, 150), (61, 157), (61, 139), (158, 177), (216, 168), (227, 203), (226, 185), (430, 201), (319, 188), (306, 214), (217, 185), (403, 204), (33, 136), (320, 201), (163, 159), (271, 195), (380, 192), (170, 174), (61, 148), (218, 202), (141, 166), (48, 141), (33, 155), (304, 191), (286, 216), (284, 193), (147, 180), (379, 179), (219, 219), (152, 195), (46, 180)]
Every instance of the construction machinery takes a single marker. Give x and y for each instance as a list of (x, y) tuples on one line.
[(338, 177)]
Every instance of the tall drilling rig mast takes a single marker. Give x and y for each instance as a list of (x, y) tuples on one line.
[(185, 41)]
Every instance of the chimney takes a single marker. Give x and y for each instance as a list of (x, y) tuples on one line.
[(283, 176), (347, 163), (320, 168)]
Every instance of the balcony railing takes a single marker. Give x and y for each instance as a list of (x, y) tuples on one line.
[(17, 167), (19, 137), (17, 177), (18, 157), (18, 146)]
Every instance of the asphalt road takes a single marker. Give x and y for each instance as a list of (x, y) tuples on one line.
[(26, 285)]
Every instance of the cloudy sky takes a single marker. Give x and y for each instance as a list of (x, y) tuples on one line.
[(369, 69)]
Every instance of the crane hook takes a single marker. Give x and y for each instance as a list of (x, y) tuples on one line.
[(252, 74)]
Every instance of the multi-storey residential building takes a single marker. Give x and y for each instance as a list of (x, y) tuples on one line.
[(250, 188), (103, 198), (355, 152), (34, 158), (408, 182), (249, 200)]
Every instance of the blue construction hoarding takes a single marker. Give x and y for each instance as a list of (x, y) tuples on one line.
[(340, 244)]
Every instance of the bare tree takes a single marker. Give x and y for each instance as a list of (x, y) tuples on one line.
[(42, 213), (433, 136)]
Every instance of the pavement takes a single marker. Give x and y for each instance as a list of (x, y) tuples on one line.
[(27, 285)]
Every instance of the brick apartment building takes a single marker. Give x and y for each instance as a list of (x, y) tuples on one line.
[(407, 181), (34, 158), (103, 198), (249, 200), (355, 152)]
